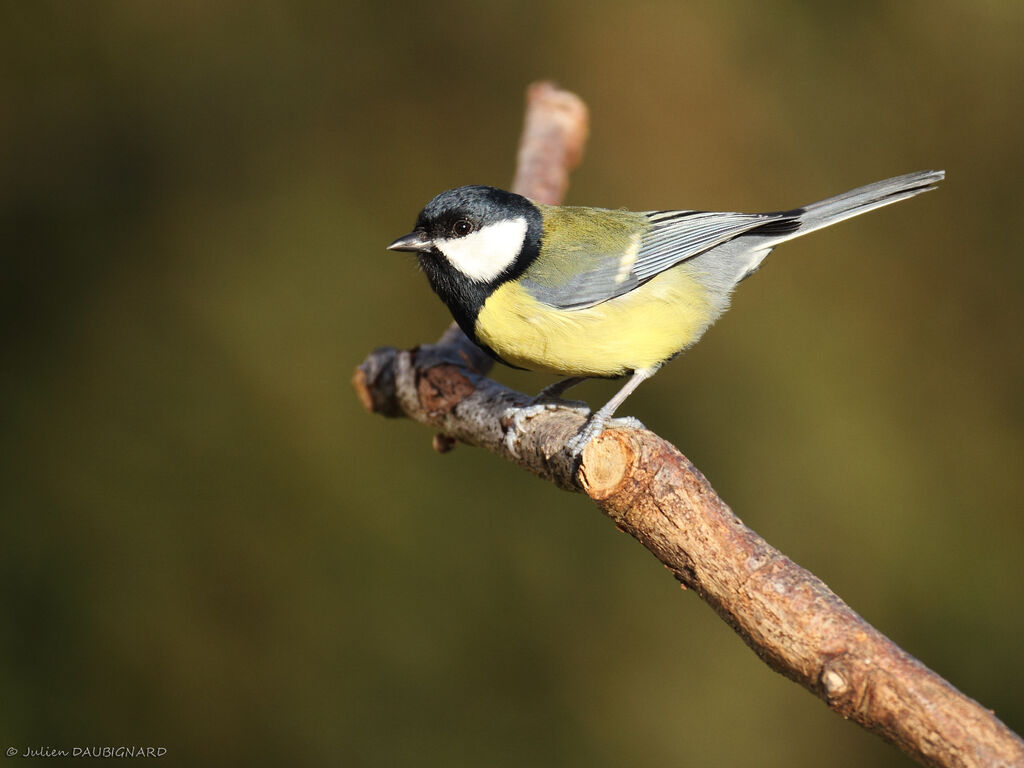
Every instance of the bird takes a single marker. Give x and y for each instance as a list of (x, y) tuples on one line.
[(586, 292)]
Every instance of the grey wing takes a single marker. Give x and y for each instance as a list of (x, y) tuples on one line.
[(671, 238)]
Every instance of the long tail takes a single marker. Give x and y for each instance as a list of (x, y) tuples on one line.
[(824, 213)]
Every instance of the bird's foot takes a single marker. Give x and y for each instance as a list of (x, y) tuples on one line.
[(595, 427), (517, 417)]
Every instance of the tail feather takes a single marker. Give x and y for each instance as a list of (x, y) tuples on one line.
[(826, 212), (722, 267)]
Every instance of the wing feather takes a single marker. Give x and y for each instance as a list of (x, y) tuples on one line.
[(671, 237)]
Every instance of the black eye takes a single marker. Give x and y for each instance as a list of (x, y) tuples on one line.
[(461, 228)]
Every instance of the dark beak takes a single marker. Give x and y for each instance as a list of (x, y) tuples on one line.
[(415, 242)]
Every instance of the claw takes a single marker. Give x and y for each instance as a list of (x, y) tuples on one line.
[(595, 427), (517, 418)]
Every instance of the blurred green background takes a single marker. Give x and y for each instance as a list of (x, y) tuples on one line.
[(207, 544)]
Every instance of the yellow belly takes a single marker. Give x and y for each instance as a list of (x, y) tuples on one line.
[(639, 329)]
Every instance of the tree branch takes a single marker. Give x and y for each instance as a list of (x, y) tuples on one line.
[(650, 490)]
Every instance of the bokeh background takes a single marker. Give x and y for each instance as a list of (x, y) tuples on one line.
[(206, 544)]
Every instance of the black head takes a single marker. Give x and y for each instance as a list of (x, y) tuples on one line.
[(469, 241)]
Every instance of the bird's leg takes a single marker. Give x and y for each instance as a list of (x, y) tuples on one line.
[(554, 391), (548, 399), (596, 423)]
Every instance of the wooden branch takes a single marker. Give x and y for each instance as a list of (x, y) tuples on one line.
[(650, 490)]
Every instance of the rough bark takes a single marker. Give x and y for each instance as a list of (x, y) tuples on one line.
[(650, 490)]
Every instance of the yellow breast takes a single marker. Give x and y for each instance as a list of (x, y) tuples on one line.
[(639, 329)]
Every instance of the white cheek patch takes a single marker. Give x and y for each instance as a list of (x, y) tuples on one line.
[(486, 253)]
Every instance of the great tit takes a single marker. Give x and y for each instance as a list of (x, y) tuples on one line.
[(591, 292)]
